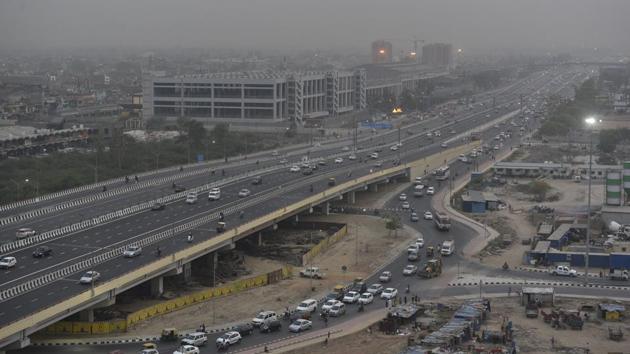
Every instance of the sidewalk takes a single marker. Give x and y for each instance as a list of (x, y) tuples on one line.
[(345, 328)]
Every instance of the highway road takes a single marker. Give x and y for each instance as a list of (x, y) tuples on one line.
[(72, 247)]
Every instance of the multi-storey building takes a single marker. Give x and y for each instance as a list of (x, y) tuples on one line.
[(255, 96), (437, 54)]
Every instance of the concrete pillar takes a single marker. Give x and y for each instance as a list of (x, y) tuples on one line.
[(86, 315), (326, 207), (187, 272), (214, 264), (157, 286), (374, 187), (352, 197), (297, 218), (260, 241)]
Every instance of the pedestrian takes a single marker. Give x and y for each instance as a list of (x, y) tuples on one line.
[(405, 299), (328, 334), (553, 342), (326, 321), (326, 341), (266, 349), (509, 291), (203, 327)]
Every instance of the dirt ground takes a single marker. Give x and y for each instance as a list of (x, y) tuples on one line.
[(358, 343), (375, 246)]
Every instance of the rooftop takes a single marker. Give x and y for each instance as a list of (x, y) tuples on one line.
[(256, 75)]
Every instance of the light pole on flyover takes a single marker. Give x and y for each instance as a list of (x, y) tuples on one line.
[(590, 122)]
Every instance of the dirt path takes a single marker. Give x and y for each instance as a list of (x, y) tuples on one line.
[(358, 343), (375, 247)]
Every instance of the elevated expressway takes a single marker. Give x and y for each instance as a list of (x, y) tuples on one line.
[(47, 290)]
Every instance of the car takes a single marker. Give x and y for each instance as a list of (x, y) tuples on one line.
[(25, 232), (351, 297), (405, 205), (42, 251), (322, 162), (132, 251), (329, 304), (428, 215), (244, 329), (389, 293), (228, 339), (191, 198), (394, 148), (7, 262), (308, 305), (334, 296), (158, 206), (429, 134), (420, 242), (378, 164), (179, 188), (375, 289), (452, 131), (307, 172), (352, 157), (257, 180), (214, 194), (90, 277), (339, 160), (496, 147), (275, 153), (244, 193), (337, 310), (414, 217), (187, 349), (402, 197), (346, 148), (366, 298), (410, 269), (270, 326), (196, 339), (264, 316), (413, 247), (444, 145), (385, 277), (294, 168), (300, 325), (430, 191), (149, 351), (374, 155), (283, 161), (564, 271)]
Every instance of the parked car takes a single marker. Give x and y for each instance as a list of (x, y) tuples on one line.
[(244, 193), (389, 293), (42, 251), (300, 325), (7, 262), (385, 276), (90, 277), (366, 298), (375, 289), (196, 339), (351, 297), (228, 339), (308, 305), (132, 251)]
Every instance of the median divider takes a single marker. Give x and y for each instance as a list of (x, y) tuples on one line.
[(119, 326)]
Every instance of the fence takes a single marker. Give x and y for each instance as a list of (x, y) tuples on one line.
[(104, 327), (324, 244)]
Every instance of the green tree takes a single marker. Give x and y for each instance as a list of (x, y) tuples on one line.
[(393, 224)]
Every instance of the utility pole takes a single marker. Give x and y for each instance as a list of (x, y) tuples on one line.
[(356, 244), (96, 168)]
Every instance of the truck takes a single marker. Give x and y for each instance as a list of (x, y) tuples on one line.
[(448, 247), (311, 272), (431, 269), (618, 274), (442, 221), (564, 271)]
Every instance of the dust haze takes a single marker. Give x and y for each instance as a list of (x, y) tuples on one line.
[(287, 25)]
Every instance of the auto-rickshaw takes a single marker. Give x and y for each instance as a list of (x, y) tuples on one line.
[(430, 251), (169, 335), (220, 227), (149, 346)]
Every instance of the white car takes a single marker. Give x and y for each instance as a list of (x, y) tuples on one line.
[(352, 157), (430, 191), (187, 349), (374, 155), (8, 262), (351, 297), (413, 248), (385, 277), (214, 194), (338, 160), (329, 304), (420, 242), (366, 298), (346, 148), (564, 271), (191, 198), (428, 215), (405, 205), (402, 197), (264, 316), (90, 277), (309, 305), (294, 168), (227, 339), (389, 293), (375, 289), (24, 233), (410, 269), (444, 145), (196, 339), (283, 161), (337, 310), (244, 193), (300, 325), (132, 251), (274, 153), (394, 148)]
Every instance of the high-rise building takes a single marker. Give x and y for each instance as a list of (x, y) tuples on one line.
[(381, 52), (437, 54)]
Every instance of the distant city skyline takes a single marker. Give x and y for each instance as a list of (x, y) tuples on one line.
[(293, 25)]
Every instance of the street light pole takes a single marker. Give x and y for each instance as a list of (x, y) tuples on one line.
[(17, 190), (590, 121)]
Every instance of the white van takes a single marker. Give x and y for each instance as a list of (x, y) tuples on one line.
[(214, 194), (191, 198), (448, 247)]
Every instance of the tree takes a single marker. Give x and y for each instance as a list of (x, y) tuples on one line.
[(539, 189), (393, 224)]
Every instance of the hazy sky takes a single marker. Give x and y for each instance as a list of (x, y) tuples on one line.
[(299, 24)]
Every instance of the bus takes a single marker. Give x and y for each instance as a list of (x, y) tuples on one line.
[(442, 221), (442, 173)]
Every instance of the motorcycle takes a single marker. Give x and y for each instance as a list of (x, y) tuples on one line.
[(506, 266)]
